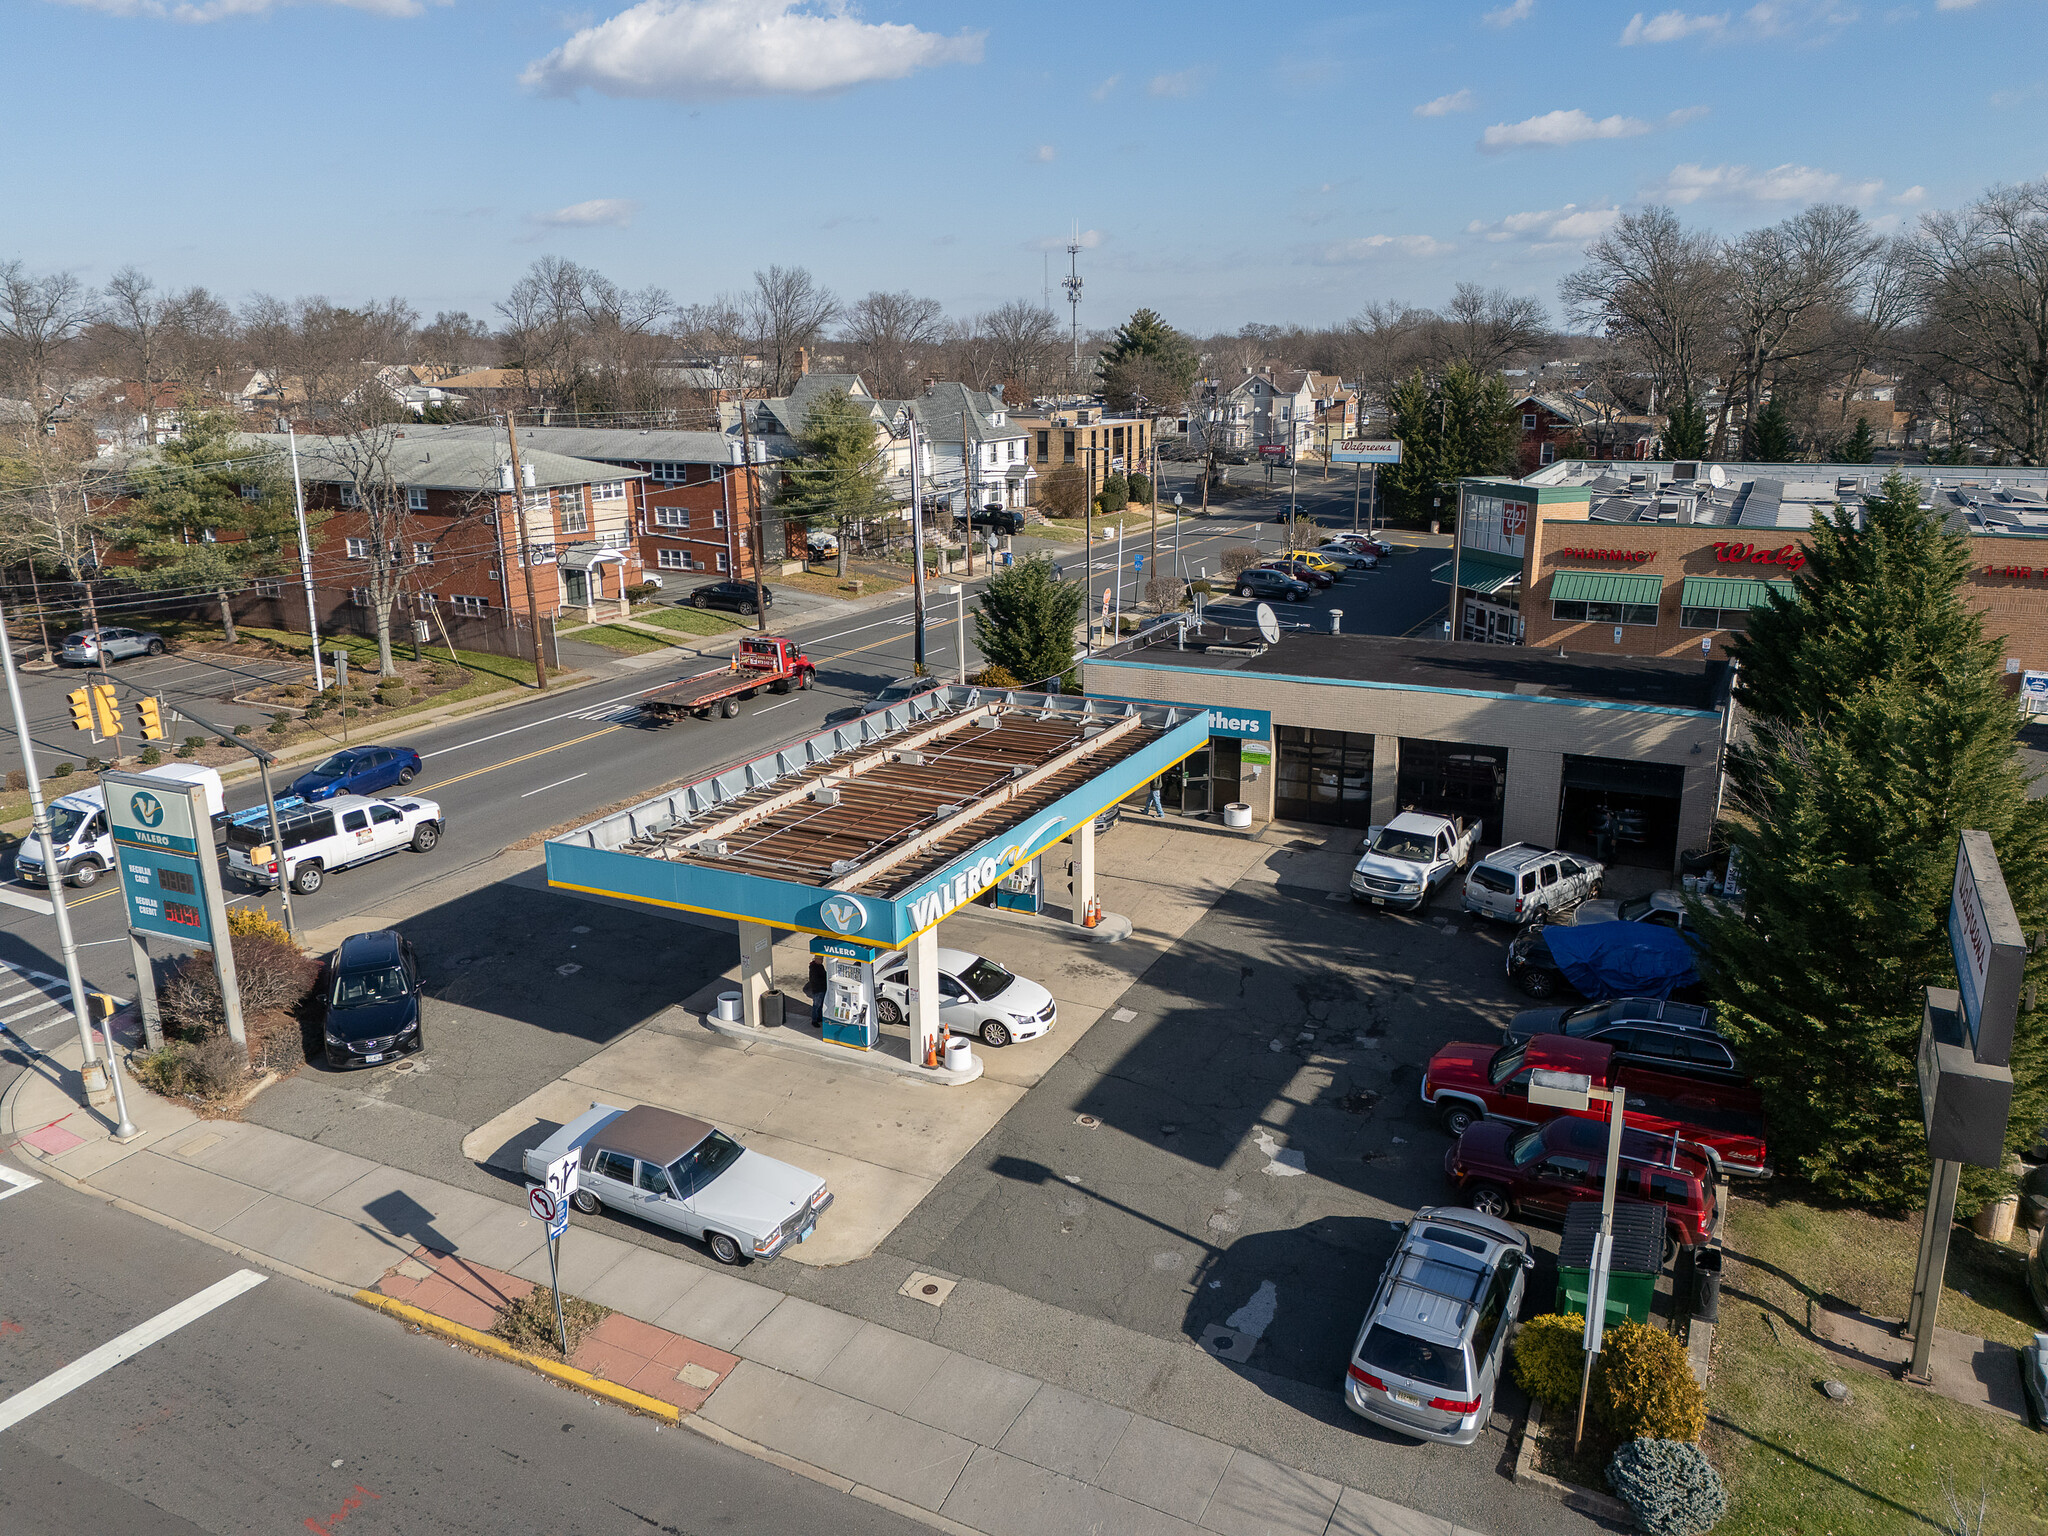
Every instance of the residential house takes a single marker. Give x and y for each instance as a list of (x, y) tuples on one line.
[(1263, 408), (978, 452), (1555, 426)]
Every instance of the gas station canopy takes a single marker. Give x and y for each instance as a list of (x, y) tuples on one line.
[(876, 829)]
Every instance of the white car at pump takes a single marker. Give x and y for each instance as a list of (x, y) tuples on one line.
[(976, 997)]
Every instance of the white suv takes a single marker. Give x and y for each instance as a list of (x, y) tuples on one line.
[(318, 839), (1516, 883)]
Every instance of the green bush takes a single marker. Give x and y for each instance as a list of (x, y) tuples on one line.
[(1550, 1362), (194, 743), (206, 1068), (17, 780), (93, 765), (186, 749), (641, 591), (993, 676), (1644, 1385), (280, 723), (394, 691), (1116, 493), (61, 771), (529, 1323), (1669, 1485), (1141, 489), (151, 757)]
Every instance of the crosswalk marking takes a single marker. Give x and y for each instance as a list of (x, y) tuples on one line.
[(48, 992), (612, 714)]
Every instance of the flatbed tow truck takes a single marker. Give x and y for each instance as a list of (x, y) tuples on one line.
[(763, 663)]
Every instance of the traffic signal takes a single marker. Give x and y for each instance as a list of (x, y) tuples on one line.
[(108, 708), (81, 709), (152, 719)]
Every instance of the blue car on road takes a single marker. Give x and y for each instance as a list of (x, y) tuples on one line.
[(357, 771)]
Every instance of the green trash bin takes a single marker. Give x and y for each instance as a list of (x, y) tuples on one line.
[(1638, 1259)]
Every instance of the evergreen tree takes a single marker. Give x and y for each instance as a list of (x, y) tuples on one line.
[(1025, 624), (208, 513), (1859, 446), (1461, 423), (1880, 729), (1149, 358), (1770, 438), (1685, 433), (837, 476)]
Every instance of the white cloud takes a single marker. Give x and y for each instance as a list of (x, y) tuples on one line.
[(1089, 239), (1372, 247), (1045, 152), (697, 49), (223, 10), (1181, 82), (1569, 225), (1508, 15), (1670, 27), (1559, 128), (1954, 5), (1681, 115), (1780, 184), (615, 212), (1443, 106), (1101, 92), (1912, 197)]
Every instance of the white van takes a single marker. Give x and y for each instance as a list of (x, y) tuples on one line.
[(85, 843)]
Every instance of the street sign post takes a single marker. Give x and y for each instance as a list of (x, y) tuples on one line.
[(554, 1210), (540, 1202)]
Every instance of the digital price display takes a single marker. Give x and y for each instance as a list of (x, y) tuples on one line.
[(179, 881), (166, 851), (178, 912)]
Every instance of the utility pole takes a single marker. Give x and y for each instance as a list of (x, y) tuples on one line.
[(967, 485), (1457, 544), (306, 561), (759, 540), (540, 660), (916, 545)]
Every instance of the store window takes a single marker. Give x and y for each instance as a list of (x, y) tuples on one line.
[(1605, 613), (1323, 776), (1713, 618)]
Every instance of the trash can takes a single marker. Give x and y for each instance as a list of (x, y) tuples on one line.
[(1706, 1284), (728, 1007), (959, 1055), (1237, 814), (771, 1010)]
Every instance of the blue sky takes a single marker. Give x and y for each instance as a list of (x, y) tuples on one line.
[(1227, 162)]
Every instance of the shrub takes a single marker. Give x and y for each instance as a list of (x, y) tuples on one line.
[(993, 676), (151, 757), (641, 591), (1550, 1362), (1669, 1485), (194, 743), (1237, 558), (254, 922), (394, 691), (93, 765), (1644, 1385), (1102, 504), (17, 780), (207, 1068), (1204, 585), (186, 749), (529, 1323), (293, 691), (270, 973), (350, 711), (1116, 493), (244, 729), (1141, 489), (61, 771)]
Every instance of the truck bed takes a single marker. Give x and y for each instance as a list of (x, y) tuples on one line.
[(707, 688)]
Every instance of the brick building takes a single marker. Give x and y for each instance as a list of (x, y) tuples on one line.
[(1093, 439)]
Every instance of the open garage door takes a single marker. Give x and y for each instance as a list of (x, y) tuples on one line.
[(1621, 812)]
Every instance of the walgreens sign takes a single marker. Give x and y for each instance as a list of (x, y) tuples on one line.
[(1791, 556)]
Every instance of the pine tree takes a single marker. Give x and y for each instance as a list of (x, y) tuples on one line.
[(1880, 729), (1147, 358), (1770, 438), (1859, 446), (208, 513), (1685, 433), (1461, 423), (837, 475), (1025, 624)]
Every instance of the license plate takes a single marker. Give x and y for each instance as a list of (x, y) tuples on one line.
[(1405, 1399), (1379, 901), (376, 1058)]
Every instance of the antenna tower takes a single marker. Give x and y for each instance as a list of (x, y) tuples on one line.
[(1072, 283)]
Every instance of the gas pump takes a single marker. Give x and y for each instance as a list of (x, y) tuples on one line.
[(849, 1013), (1018, 890)]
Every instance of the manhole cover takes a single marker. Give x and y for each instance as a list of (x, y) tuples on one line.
[(1088, 1120), (405, 1066), (928, 1289)]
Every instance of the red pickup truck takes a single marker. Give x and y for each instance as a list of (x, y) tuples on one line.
[(1465, 1083), (762, 662)]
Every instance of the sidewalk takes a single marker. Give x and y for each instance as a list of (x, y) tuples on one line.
[(962, 1444)]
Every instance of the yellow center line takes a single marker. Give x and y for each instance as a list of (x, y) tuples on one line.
[(527, 757)]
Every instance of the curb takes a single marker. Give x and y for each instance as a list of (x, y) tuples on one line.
[(1584, 1500), (833, 1480), (567, 1375)]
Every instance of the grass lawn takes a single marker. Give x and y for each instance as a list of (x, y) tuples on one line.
[(488, 673), (1798, 1465), (616, 637), (825, 582), (692, 621)]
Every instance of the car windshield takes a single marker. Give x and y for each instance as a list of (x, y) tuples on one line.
[(711, 1157), (985, 979), (1526, 1150), (1415, 847), (65, 821), (1506, 1063), (335, 766), (1402, 1354), (362, 989)]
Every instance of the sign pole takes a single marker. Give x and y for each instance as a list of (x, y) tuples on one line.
[(145, 991), (555, 1280), (1357, 478)]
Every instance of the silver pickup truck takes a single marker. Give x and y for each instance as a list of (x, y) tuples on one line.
[(1409, 857)]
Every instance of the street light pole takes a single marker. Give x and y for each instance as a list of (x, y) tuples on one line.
[(306, 561), (916, 546)]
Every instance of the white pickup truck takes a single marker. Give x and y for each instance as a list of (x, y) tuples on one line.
[(1409, 857), (318, 839)]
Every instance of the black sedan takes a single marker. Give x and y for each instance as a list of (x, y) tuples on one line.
[(736, 595), (371, 992)]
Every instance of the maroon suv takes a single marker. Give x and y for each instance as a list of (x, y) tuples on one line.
[(1504, 1170)]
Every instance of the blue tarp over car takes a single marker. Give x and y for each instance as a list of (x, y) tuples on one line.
[(1622, 959)]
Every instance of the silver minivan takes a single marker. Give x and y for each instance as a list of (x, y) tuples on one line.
[(1515, 883), (1429, 1352)]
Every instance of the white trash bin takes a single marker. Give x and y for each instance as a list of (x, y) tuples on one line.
[(728, 1007), (959, 1055), (1237, 814)]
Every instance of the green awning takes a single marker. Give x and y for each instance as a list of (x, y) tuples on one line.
[(1481, 571), (1730, 592), (1605, 587)]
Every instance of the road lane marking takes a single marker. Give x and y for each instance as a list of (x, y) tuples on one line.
[(110, 1354), (556, 785), (526, 757), (766, 707), (16, 1181), (569, 714)]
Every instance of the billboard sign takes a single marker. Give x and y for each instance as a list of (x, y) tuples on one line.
[(1272, 450), (163, 843), (1990, 951), (1366, 450)]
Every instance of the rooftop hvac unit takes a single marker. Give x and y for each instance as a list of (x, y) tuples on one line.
[(824, 795), (711, 848), (908, 759)]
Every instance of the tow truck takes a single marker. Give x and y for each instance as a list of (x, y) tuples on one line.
[(762, 663)]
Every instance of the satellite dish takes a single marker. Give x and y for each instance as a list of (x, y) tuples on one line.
[(1717, 477), (1268, 625)]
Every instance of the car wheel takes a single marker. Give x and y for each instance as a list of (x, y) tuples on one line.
[(887, 1011), (723, 1248), (1457, 1118), (729, 708), (700, 602), (1488, 1200), (1672, 1243), (586, 1202), (424, 836), (747, 607), (156, 647), (803, 680), (308, 879), (1537, 983), (407, 775), (1593, 890), (995, 1034), (1244, 591), (84, 875)]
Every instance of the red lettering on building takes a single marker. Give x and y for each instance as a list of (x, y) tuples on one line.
[(1625, 556), (2017, 572), (1791, 556)]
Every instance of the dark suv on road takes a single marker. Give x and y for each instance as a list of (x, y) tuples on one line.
[(1261, 582)]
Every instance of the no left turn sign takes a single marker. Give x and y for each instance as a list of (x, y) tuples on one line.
[(541, 1203)]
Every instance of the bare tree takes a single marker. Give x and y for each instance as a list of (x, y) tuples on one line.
[(1656, 287), (625, 334), (52, 487), (787, 312), (970, 354), (40, 315), (543, 334), (360, 458), (888, 336), (1025, 338), (1980, 280), (158, 338), (327, 355), (1379, 347), (456, 341), (1486, 327)]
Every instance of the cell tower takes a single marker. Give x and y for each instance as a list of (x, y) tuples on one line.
[(1072, 283)]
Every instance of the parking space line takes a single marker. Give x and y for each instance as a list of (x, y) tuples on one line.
[(70, 1378)]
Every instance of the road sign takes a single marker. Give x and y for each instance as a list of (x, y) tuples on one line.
[(560, 1224), (541, 1203), (561, 1178)]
